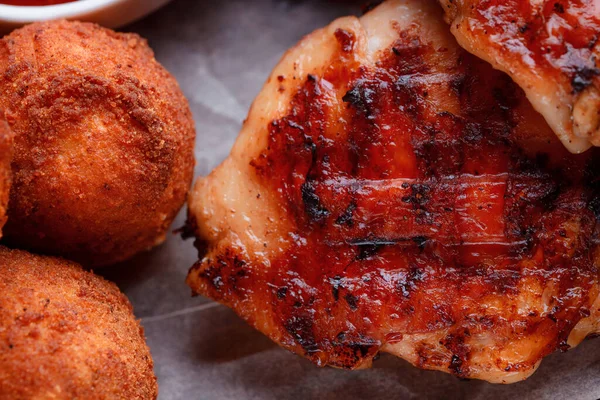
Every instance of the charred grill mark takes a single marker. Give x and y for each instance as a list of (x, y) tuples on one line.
[(336, 282), (473, 133), (419, 199), (282, 292), (456, 365), (300, 327), (352, 352), (582, 78), (409, 95), (365, 252), (296, 135), (411, 282), (368, 247), (559, 8), (347, 217), (361, 97), (352, 301), (529, 194), (213, 274), (420, 241), (439, 157), (350, 348), (360, 349), (419, 196), (227, 274), (456, 344), (381, 242), (312, 203)]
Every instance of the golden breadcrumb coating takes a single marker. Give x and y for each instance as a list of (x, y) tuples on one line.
[(103, 142), (5, 174), (66, 333)]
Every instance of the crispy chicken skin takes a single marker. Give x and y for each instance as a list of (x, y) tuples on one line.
[(67, 334), (6, 144), (549, 48), (391, 192), (104, 142)]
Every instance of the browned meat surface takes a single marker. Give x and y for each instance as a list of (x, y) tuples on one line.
[(549, 48), (391, 192)]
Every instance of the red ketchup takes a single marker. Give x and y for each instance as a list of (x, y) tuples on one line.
[(34, 2)]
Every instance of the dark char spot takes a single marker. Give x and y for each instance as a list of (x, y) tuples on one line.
[(347, 217), (301, 329), (583, 78), (352, 301), (360, 97), (312, 203)]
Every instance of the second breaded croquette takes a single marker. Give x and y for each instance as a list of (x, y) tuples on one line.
[(67, 334), (6, 143)]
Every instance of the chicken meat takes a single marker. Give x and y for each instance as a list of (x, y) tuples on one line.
[(549, 48), (390, 192)]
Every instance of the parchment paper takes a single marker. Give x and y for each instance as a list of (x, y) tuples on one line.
[(221, 52)]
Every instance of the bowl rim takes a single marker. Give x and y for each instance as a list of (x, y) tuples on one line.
[(13, 13)]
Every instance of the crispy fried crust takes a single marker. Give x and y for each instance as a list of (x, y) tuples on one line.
[(104, 142), (391, 192), (6, 143), (66, 333)]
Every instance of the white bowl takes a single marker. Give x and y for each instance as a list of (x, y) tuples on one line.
[(109, 13)]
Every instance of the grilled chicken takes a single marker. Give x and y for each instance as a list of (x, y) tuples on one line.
[(391, 192), (550, 48)]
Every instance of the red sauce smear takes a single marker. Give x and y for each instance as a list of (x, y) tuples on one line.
[(34, 2)]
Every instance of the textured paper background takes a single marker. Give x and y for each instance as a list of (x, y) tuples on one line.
[(221, 52)]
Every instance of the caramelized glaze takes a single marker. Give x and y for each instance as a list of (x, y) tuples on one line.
[(418, 203), (550, 48)]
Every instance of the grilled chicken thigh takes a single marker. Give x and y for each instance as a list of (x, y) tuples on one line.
[(550, 48), (391, 192)]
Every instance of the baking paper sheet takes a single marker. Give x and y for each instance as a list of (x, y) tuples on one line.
[(221, 52)]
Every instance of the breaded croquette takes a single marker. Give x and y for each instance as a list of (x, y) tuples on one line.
[(104, 142), (6, 141), (66, 333)]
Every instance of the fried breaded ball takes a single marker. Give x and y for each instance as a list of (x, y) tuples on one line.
[(103, 142), (66, 333), (5, 174)]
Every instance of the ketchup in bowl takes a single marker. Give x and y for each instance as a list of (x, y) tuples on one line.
[(34, 2)]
